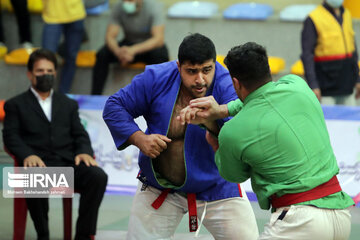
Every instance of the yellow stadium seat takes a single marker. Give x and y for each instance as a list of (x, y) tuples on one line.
[(34, 6), (297, 68), (5, 4), (86, 58), (354, 7), (220, 59), (276, 64), (136, 66), (18, 56), (3, 51)]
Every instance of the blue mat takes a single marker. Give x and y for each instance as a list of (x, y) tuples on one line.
[(248, 11), (195, 9)]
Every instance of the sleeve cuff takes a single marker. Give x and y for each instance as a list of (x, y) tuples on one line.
[(234, 107)]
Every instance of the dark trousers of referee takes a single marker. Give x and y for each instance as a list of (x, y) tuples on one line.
[(91, 183)]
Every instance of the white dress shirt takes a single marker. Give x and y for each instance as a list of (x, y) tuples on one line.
[(45, 104)]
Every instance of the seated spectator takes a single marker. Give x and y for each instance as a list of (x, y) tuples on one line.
[(40, 132), (142, 22), (64, 17)]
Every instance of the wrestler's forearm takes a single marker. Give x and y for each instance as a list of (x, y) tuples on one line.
[(212, 127), (223, 111), (135, 138)]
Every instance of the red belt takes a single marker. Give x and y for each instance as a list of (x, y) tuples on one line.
[(330, 187), (191, 199)]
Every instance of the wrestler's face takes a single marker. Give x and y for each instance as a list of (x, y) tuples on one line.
[(197, 78)]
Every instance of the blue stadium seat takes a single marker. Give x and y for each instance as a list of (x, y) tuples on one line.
[(296, 13), (248, 11), (97, 9), (194, 9)]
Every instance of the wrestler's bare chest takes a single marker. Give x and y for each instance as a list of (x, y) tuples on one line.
[(171, 163)]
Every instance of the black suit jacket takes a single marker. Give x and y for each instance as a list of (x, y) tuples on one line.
[(27, 131)]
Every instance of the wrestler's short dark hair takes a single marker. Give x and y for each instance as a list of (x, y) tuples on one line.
[(249, 64), (196, 49), (39, 54)]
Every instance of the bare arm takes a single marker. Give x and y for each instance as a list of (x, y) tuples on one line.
[(156, 40), (112, 32)]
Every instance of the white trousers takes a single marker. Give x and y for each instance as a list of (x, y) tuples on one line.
[(303, 222), (226, 219)]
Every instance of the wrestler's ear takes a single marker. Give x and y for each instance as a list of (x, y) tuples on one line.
[(178, 65), (239, 88), (236, 83)]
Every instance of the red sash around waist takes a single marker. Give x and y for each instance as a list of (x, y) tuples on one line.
[(330, 187), (191, 199)]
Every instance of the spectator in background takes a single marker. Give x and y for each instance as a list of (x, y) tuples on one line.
[(64, 18), (23, 22), (42, 128), (329, 54), (142, 23)]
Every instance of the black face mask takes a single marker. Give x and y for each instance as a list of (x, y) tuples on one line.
[(45, 82)]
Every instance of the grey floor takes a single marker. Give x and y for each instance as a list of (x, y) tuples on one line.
[(113, 220)]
